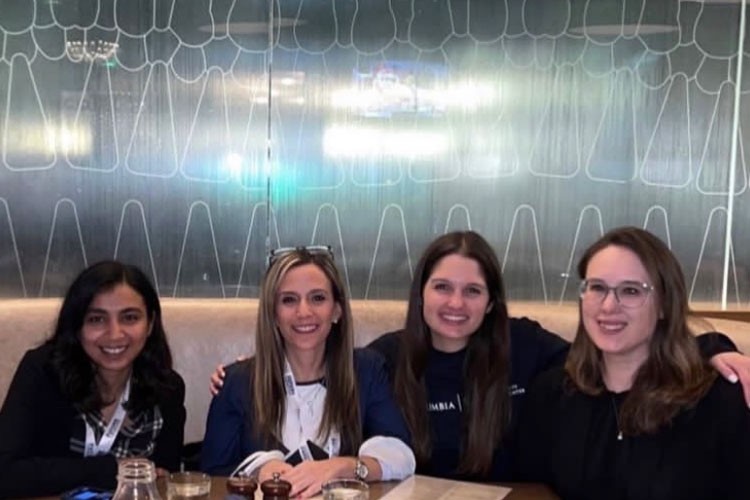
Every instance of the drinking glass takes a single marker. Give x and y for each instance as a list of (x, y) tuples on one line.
[(345, 489), (188, 486)]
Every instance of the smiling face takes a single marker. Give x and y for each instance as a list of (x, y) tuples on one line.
[(455, 301), (619, 332), (305, 309), (115, 329)]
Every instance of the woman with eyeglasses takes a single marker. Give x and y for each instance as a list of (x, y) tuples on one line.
[(635, 412), (307, 405)]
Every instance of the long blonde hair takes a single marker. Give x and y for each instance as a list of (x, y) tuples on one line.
[(341, 410)]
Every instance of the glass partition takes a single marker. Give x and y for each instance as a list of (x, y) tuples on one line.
[(190, 136)]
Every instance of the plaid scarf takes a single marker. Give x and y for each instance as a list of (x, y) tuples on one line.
[(137, 436)]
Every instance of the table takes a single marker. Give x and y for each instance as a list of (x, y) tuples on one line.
[(519, 491)]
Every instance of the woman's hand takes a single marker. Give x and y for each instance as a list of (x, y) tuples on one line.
[(217, 380), (734, 367), (217, 377), (307, 477), (268, 469)]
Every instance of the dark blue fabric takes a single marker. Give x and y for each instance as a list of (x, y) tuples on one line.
[(229, 430), (532, 350)]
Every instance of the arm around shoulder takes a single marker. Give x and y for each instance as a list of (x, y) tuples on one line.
[(224, 444), (381, 416), (386, 436), (532, 342)]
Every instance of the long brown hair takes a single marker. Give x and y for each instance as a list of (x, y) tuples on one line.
[(486, 367), (674, 376), (341, 410)]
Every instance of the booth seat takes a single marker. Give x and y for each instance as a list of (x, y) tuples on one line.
[(205, 332)]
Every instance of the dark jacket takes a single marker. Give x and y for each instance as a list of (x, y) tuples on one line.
[(569, 440), (36, 425)]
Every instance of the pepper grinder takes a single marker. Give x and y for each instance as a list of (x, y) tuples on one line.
[(276, 488), (241, 488)]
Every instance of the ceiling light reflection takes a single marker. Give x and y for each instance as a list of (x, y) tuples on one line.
[(352, 141), (75, 141), (241, 168), (70, 140), (382, 101)]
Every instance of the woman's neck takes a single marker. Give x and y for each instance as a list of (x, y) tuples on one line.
[(307, 365), (111, 384), (446, 344), (619, 372)]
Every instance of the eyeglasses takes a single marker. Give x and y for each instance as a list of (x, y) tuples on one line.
[(630, 294), (277, 253)]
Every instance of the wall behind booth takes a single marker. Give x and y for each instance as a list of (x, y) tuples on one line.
[(190, 137)]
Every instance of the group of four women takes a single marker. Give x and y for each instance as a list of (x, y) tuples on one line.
[(630, 410)]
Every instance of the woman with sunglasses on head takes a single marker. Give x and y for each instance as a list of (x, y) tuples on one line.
[(100, 389), (306, 393), (635, 412)]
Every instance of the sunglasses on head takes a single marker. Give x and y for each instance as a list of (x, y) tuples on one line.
[(277, 253)]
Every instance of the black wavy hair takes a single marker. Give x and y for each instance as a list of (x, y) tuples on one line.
[(76, 373)]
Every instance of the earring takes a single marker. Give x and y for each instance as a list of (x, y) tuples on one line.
[(335, 321)]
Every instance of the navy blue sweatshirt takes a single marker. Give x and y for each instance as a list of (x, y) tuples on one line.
[(532, 350)]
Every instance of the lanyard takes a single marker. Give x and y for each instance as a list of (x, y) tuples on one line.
[(308, 425), (93, 448)]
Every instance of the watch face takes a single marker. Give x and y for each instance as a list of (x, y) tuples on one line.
[(361, 471)]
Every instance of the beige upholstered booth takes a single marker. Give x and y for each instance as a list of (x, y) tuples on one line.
[(204, 332)]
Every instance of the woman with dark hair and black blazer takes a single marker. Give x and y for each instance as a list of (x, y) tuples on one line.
[(100, 389)]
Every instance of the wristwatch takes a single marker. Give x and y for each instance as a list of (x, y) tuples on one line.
[(361, 471)]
